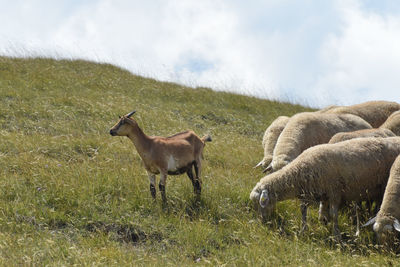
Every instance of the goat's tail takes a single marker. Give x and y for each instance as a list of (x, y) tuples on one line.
[(206, 138)]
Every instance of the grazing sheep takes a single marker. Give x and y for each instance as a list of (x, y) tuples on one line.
[(388, 216), (326, 109), (353, 170), (393, 123), (379, 132), (323, 212), (272, 133), (374, 112), (270, 137), (308, 129), (172, 155)]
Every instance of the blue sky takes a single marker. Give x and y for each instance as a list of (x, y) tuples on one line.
[(311, 52)]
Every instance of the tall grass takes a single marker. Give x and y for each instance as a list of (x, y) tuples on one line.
[(72, 194)]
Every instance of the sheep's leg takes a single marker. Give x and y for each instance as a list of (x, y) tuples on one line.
[(356, 209), (323, 212), (334, 215), (161, 185), (197, 180), (152, 178), (303, 208)]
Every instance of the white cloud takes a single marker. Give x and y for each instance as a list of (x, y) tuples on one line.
[(313, 52), (362, 62)]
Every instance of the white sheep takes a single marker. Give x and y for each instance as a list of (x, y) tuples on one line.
[(393, 123), (272, 133), (388, 216), (172, 155), (376, 132), (353, 170), (270, 138), (323, 212), (374, 112), (308, 129)]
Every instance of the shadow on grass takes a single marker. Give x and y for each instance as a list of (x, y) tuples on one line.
[(364, 245), (125, 233)]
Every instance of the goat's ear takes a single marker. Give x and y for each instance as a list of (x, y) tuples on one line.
[(396, 225), (371, 221), (264, 198), (119, 116), (130, 114)]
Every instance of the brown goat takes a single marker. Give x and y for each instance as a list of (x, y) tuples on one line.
[(172, 155)]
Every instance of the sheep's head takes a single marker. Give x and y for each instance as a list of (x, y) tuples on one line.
[(384, 227), (123, 126), (265, 202)]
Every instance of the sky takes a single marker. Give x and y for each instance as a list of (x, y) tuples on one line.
[(312, 52)]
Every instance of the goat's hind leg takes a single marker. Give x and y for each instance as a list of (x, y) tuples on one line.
[(197, 180), (189, 173)]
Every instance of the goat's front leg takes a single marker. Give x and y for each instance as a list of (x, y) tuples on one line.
[(161, 185), (152, 179)]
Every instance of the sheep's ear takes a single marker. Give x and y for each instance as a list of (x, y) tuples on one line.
[(264, 198), (269, 168), (396, 225), (371, 221), (259, 164)]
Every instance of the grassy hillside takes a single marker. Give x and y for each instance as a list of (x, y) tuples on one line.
[(73, 194)]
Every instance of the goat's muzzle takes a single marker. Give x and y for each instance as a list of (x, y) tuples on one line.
[(113, 133)]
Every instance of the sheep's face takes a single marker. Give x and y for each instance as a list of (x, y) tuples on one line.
[(384, 229), (267, 202)]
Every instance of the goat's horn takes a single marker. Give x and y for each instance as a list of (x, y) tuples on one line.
[(130, 114)]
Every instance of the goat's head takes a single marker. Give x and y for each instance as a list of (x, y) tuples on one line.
[(123, 126)]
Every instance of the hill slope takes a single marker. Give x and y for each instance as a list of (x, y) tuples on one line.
[(72, 194)]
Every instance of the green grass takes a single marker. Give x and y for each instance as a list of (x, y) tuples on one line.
[(73, 194)]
